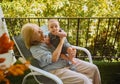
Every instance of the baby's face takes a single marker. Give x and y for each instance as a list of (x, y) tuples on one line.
[(53, 27)]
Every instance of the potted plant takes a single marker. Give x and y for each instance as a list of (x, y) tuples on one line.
[(7, 68)]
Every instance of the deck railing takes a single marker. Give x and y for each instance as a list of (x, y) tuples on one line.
[(99, 35)]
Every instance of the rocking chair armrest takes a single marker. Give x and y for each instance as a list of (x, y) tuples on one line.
[(47, 74), (42, 72)]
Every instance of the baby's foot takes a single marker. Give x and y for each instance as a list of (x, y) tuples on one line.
[(72, 67)]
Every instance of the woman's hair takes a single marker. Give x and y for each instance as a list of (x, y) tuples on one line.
[(27, 32)]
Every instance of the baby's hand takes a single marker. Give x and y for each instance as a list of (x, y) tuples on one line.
[(61, 33)]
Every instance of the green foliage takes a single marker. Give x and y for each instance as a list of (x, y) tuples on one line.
[(110, 73), (61, 8), (88, 33)]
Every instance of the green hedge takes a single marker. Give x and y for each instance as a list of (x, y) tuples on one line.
[(110, 72)]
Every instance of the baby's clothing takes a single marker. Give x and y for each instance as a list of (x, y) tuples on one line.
[(54, 40)]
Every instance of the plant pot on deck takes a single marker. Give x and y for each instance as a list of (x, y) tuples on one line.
[(6, 59)]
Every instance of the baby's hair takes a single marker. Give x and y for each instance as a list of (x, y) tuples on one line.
[(51, 20)]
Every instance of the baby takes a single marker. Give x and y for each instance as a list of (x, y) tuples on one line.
[(55, 34)]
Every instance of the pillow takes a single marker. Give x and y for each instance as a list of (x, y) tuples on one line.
[(45, 30)]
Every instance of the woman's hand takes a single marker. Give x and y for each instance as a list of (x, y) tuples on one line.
[(72, 53)]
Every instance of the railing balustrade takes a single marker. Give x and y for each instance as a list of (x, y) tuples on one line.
[(99, 35)]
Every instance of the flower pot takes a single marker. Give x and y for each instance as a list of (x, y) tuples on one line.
[(6, 60)]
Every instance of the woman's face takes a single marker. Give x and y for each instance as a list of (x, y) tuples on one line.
[(37, 35)]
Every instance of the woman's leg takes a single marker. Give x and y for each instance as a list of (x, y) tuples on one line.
[(88, 69), (71, 77)]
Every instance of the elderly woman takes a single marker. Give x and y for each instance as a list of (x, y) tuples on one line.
[(50, 60)]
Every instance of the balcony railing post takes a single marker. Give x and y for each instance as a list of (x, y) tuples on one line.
[(78, 28), (101, 40)]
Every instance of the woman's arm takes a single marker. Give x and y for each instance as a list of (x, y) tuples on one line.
[(57, 52)]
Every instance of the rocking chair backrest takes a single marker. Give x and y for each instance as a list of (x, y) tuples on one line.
[(24, 52)]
